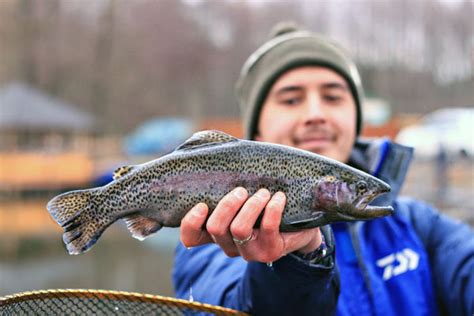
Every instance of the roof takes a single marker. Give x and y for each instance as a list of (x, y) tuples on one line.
[(23, 107)]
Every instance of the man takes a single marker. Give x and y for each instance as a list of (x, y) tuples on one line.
[(301, 90)]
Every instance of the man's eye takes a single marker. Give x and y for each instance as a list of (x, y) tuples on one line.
[(290, 101), (332, 98)]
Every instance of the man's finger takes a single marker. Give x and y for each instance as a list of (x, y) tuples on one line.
[(271, 220), (220, 219), (268, 238), (218, 224), (192, 232), (242, 225)]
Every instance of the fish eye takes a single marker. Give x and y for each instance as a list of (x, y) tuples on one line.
[(361, 186)]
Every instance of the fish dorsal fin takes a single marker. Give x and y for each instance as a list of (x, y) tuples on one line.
[(121, 171), (207, 138)]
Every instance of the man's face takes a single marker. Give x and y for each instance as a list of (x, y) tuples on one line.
[(310, 108)]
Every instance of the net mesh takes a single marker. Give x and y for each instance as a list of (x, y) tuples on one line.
[(101, 302)]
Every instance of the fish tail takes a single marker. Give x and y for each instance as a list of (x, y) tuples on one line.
[(76, 213)]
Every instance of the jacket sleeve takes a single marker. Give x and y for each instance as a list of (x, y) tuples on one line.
[(287, 287), (450, 247)]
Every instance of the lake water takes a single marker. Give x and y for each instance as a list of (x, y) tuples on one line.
[(116, 262)]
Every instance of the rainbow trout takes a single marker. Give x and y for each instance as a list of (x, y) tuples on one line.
[(207, 166)]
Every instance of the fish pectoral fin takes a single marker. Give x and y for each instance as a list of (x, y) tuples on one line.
[(316, 219), (140, 226), (206, 138), (121, 171)]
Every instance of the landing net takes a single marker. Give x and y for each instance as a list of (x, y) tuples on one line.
[(101, 302)]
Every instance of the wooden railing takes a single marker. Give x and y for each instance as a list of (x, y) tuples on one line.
[(33, 170)]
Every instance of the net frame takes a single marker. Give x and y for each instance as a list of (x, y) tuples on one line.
[(28, 297)]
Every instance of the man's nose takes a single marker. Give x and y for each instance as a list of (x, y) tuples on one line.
[(315, 112)]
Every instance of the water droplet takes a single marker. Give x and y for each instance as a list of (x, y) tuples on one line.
[(191, 298), (270, 264)]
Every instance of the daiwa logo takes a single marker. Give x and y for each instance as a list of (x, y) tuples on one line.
[(398, 263)]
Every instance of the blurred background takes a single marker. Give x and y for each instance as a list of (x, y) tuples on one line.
[(87, 86)]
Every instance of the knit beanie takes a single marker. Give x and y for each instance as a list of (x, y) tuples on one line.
[(288, 48)]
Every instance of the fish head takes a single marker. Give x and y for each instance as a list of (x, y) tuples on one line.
[(348, 197)]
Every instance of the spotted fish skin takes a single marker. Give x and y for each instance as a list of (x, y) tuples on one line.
[(210, 164)]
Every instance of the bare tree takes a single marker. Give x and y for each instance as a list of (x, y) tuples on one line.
[(127, 61)]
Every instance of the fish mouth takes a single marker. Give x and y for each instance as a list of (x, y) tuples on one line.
[(367, 212), (385, 188), (371, 211), (382, 210)]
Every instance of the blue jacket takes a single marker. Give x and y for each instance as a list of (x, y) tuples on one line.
[(416, 262)]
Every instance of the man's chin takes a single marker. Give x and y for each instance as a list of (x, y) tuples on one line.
[(319, 148), (326, 152)]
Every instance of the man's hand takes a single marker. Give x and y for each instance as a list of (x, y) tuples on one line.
[(227, 223)]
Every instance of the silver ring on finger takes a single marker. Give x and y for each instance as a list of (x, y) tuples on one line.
[(240, 242)]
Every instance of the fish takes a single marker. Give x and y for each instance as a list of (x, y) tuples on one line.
[(206, 167)]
